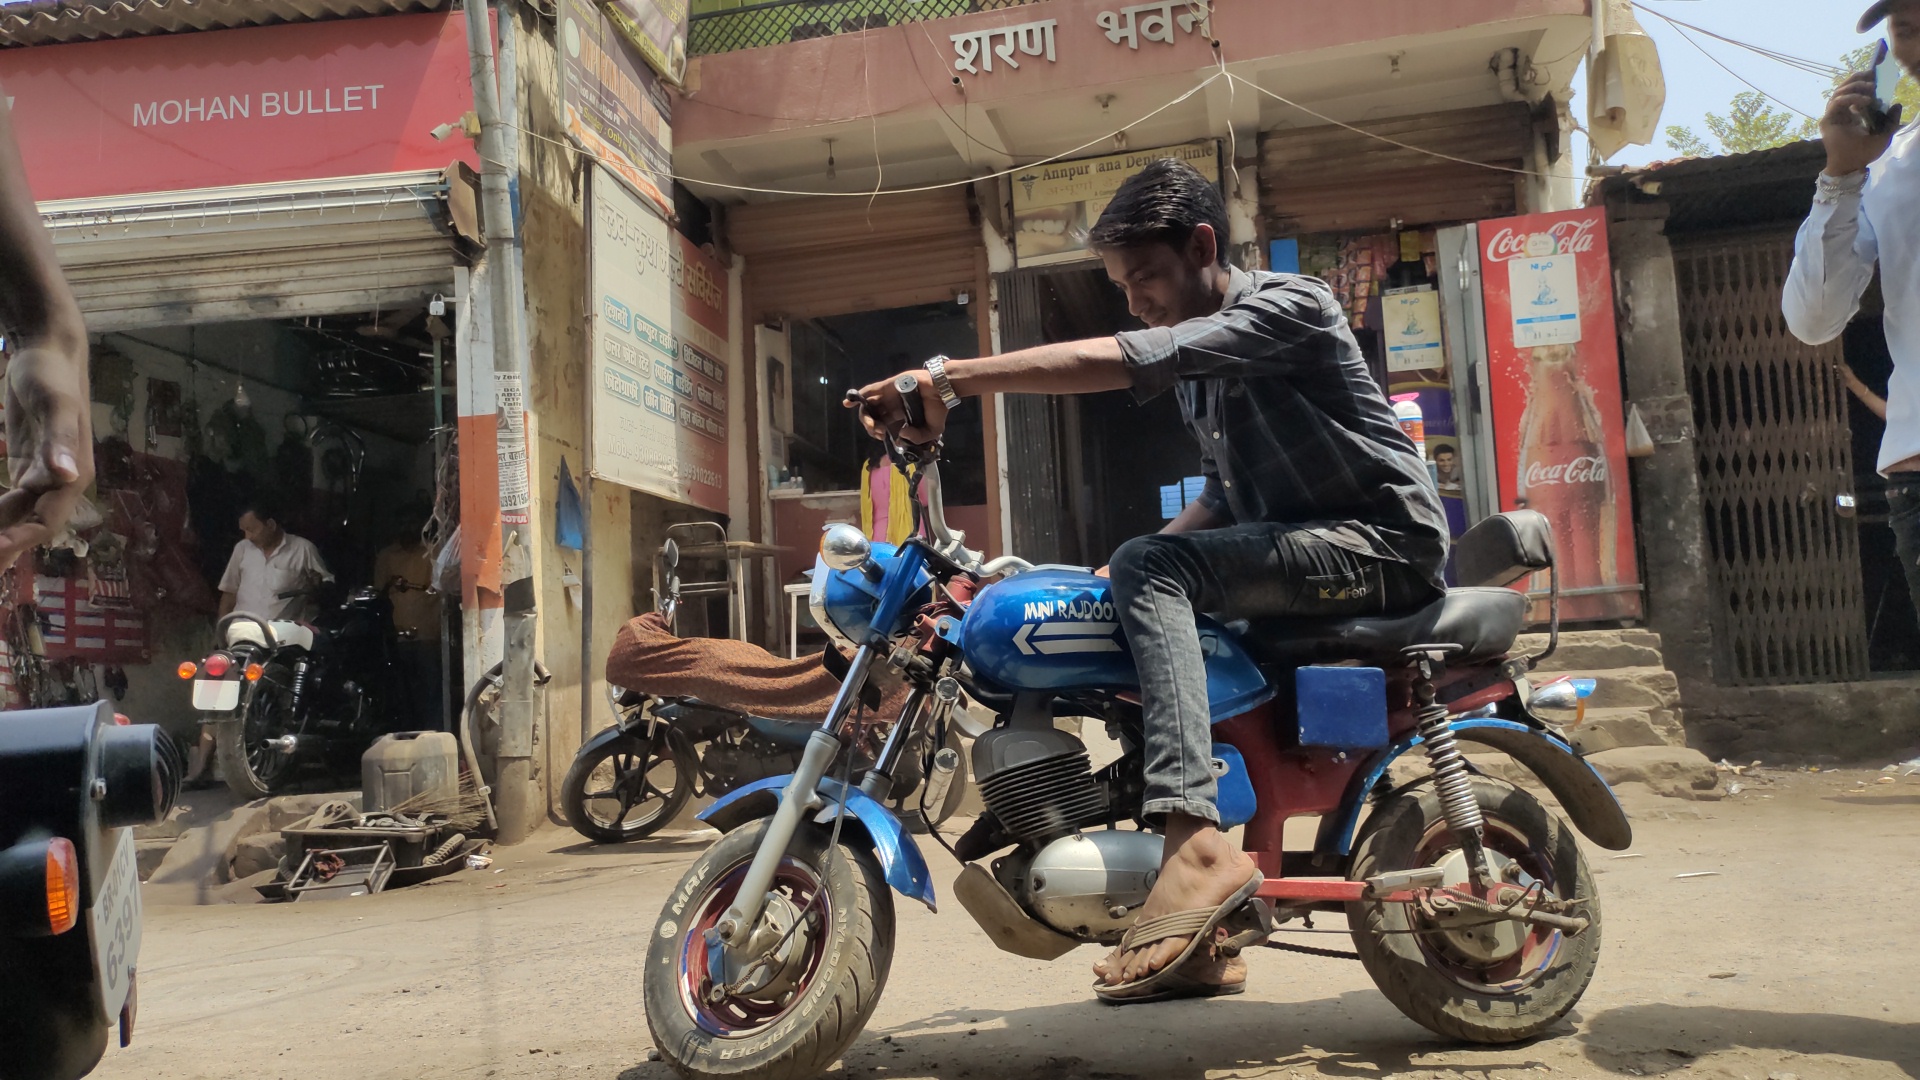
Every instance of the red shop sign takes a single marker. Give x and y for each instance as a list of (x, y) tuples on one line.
[(175, 112), (1558, 420)]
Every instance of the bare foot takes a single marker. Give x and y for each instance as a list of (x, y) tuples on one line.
[(1201, 869)]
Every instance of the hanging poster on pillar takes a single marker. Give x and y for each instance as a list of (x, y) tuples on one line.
[(616, 107), (659, 354), (1558, 418)]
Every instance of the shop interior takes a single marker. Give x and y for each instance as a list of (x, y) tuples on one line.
[(823, 459), (335, 420)]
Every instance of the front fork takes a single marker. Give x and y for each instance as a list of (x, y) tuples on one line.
[(801, 797)]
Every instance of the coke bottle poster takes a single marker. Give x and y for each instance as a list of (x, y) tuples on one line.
[(1558, 419)]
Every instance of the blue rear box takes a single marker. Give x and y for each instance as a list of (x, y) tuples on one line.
[(1342, 707)]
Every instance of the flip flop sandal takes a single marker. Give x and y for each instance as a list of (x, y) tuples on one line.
[(1239, 923)]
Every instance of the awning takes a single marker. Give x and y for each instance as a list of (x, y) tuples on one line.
[(316, 247)]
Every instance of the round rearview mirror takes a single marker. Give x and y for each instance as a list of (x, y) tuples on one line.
[(843, 547), (670, 552)]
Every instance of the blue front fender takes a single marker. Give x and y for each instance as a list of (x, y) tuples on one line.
[(900, 859), (1588, 801)]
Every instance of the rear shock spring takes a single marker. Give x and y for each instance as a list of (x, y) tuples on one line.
[(299, 683), (1451, 777)]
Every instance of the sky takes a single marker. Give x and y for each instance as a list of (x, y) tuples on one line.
[(1818, 30)]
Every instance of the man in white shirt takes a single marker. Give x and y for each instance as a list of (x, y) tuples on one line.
[(1866, 210), (267, 564)]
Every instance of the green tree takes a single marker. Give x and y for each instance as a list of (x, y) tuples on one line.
[(1750, 123)]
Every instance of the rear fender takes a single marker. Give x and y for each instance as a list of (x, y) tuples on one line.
[(1588, 801), (900, 859)]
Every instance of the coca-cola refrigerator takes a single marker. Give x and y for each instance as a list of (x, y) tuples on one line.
[(1529, 312)]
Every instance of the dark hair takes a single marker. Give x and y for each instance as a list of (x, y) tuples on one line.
[(262, 507), (1162, 204)]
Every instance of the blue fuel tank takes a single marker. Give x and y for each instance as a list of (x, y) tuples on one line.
[(1057, 630)]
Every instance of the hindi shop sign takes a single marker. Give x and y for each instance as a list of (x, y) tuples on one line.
[(615, 104), (177, 112), (660, 375), (1056, 204)]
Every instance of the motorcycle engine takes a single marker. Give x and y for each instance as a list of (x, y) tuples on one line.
[(1038, 781), (1039, 784)]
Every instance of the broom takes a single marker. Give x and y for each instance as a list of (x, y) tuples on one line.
[(464, 810)]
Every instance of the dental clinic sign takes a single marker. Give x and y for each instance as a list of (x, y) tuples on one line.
[(305, 101)]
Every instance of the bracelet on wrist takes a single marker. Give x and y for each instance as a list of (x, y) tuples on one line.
[(1829, 188)]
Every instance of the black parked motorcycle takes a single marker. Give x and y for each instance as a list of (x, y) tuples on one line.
[(634, 777), (282, 695), (664, 747)]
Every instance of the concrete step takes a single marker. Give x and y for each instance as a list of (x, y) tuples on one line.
[(1674, 771), (1608, 729), (1596, 650)]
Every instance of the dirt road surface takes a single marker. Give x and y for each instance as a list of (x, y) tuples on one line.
[(1795, 958)]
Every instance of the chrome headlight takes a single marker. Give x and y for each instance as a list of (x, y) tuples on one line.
[(844, 547), (1562, 702)]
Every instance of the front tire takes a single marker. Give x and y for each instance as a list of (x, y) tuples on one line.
[(614, 794), (825, 991), (1476, 985)]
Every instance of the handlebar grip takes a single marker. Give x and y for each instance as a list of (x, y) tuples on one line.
[(909, 389)]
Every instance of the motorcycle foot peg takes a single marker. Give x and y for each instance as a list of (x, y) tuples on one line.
[(285, 744), (1250, 925)]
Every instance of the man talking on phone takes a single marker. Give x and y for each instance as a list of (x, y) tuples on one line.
[(1866, 210)]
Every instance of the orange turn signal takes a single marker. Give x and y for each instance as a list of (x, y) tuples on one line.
[(253, 672), (63, 886), (188, 669)]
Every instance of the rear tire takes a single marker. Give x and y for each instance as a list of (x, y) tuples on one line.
[(846, 956), (251, 769), (597, 806), (1422, 973)]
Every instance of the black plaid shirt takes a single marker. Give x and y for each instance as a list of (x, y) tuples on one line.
[(1292, 427)]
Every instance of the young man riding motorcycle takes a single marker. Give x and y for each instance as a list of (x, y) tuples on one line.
[(1316, 504)]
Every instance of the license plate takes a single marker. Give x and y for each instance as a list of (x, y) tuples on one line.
[(116, 929), (216, 695)]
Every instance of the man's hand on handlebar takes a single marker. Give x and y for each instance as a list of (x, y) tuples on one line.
[(884, 413)]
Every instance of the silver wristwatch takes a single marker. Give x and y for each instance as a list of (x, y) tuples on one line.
[(937, 367)]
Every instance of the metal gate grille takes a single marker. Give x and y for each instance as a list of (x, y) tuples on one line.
[(1774, 458)]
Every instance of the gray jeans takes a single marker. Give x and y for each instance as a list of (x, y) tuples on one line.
[(1244, 571), (1903, 506)]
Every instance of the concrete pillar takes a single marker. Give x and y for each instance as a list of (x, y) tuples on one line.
[(1666, 486)]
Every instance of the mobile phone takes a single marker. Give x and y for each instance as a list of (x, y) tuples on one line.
[(1886, 80)]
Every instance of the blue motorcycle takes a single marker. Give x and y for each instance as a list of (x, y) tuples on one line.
[(1470, 904)]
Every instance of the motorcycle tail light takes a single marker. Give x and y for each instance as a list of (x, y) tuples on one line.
[(63, 886), (253, 672), (218, 664), (121, 719), (188, 669)]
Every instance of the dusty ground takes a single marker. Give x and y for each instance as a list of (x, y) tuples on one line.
[(1797, 958)]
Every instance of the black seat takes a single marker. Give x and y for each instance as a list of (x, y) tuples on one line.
[(1484, 622), (1483, 619)]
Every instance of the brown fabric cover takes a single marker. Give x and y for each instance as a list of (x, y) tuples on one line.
[(731, 674)]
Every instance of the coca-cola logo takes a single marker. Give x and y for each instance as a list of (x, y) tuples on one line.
[(1581, 470), (1567, 237)]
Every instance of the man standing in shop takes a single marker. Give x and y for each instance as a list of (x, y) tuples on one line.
[(404, 569), (271, 575), (1866, 210)]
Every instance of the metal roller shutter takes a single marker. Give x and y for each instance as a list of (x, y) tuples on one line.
[(813, 258), (265, 251), (1329, 179)]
